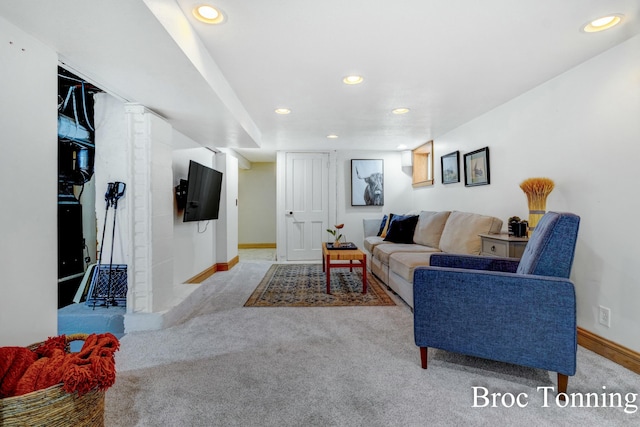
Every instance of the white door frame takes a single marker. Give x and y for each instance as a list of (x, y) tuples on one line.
[(281, 229)]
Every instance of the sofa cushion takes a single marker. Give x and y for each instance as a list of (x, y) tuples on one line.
[(429, 228), (401, 229), (372, 241), (460, 234), (404, 263), (382, 252), (380, 270)]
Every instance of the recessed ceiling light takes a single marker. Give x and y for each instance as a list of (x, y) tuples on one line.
[(353, 80), (282, 111), (401, 147), (603, 23), (208, 14), (332, 136), (400, 111)]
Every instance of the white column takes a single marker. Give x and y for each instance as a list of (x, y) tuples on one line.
[(140, 297), (151, 211)]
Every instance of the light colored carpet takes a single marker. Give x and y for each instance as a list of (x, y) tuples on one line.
[(257, 254), (230, 365)]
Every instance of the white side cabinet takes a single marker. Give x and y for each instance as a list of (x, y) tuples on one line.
[(503, 245)]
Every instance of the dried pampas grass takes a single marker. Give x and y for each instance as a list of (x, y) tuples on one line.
[(537, 190)]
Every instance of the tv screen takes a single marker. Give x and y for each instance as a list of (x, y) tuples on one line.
[(203, 193)]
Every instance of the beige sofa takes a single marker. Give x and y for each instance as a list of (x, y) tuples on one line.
[(451, 232)]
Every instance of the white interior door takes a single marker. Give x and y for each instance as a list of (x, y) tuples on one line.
[(306, 204)]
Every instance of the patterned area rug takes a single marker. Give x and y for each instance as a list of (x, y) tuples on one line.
[(304, 285)]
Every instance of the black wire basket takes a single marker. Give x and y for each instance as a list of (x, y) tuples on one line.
[(108, 286)]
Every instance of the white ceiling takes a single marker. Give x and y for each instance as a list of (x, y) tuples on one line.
[(449, 61)]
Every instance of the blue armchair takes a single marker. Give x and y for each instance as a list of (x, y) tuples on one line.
[(515, 311)]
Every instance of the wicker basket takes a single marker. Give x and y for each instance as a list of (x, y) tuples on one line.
[(54, 407)]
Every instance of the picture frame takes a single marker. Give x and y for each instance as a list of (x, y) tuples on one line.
[(476, 168), (450, 167), (367, 182)]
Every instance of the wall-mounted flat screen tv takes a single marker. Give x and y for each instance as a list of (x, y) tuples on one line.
[(203, 193)]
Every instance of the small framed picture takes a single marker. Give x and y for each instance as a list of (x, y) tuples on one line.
[(367, 182), (450, 167), (476, 168)]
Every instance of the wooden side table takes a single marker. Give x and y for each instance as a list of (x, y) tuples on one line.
[(503, 245), (350, 255)]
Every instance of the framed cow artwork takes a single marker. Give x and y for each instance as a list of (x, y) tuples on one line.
[(367, 182)]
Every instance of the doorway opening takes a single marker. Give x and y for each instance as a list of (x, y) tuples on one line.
[(306, 204), (76, 189)]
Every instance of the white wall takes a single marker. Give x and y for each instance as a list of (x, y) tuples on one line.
[(162, 216), (112, 164), (397, 192), (227, 223), (257, 204), (193, 242), (581, 129), (29, 173), (162, 252), (133, 146)]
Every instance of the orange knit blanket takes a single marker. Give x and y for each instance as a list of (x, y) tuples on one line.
[(23, 371)]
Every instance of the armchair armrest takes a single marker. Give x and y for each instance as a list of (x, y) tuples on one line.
[(474, 262), (523, 319)]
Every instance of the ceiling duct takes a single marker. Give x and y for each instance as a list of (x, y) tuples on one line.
[(70, 130)]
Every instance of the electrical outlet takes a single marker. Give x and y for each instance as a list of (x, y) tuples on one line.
[(604, 316)]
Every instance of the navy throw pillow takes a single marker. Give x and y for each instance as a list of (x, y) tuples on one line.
[(401, 229), (382, 224)]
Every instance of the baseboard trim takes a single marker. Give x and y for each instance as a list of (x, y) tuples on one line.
[(204, 275), (221, 266), (256, 245), (615, 352), (228, 265)]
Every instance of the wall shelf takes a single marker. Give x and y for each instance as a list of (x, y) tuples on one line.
[(422, 158)]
